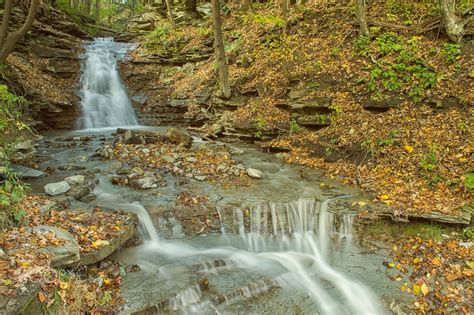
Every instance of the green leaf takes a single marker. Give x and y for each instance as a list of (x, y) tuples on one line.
[(470, 264), (469, 180)]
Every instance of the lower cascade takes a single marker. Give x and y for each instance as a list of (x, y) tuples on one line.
[(288, 244), (104, 100)]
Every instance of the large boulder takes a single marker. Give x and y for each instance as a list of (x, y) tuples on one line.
[(64, 254), (54, 189)]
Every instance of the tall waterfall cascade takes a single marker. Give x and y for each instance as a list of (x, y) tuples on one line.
[(104, 99)]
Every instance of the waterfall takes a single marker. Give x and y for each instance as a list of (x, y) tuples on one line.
[(104, 100)]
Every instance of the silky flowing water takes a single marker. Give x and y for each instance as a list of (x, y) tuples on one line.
[(104, 100), (285, 244)]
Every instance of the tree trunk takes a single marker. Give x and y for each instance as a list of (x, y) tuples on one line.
[(97, 10), (5, 21), (10, 41), (453, 25), (169, 9), (219, 48), (191, 5), (364, 28)]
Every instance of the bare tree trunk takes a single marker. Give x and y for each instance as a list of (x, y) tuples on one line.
[(284, 13), (453, 24), (5, 21), (364, 28), (169, 9), (219, 48), (191, 6), (10, 41), (97, 10)]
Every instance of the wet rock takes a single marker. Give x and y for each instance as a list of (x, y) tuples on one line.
[(124, 171), (54, 189), (179, 137), (139, 99), (25, 146), (119, 180), (200, 178), (26, 172), (115, 166), (71, 167), (106, 152), (237, 152), (144, 183), (138, 171), (64, 254), (75, 180), (254, 173)]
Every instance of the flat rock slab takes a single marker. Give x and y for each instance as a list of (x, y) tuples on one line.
[(26, 172), (107, 247), (64, 254)]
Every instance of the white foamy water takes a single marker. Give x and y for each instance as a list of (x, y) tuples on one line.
[(104, 100), (304, 229)]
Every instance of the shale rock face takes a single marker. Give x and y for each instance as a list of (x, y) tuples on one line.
[(46, 67)]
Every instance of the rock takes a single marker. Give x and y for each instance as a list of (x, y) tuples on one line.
[(144, 183), (200, 178), (106, 152), (191, 159), (253, 173), (115, 166), (179, 137), (54, 189), (3, 255), (137, 170), (75, 180), (119, 180), (25, 146), (64, 254), (237, 152), (146, 151), (124, 171), (127, 232), (139, 99), (26, 172), (71, 167), (296, 93), (169, 159)]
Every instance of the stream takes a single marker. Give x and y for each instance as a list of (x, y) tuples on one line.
[(283, 245)]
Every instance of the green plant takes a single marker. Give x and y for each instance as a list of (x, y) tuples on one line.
[(335, 51), (400, 67), (260, 126), (469, 232), (469, 180), (429, 160), (451, 52), (362, 45), (391, 139), (369, 146), (294, 126)]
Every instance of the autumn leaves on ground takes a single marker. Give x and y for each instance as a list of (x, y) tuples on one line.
[(396, 110), (390, 114)]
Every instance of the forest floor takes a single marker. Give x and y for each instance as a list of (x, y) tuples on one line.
[(392, 116)]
